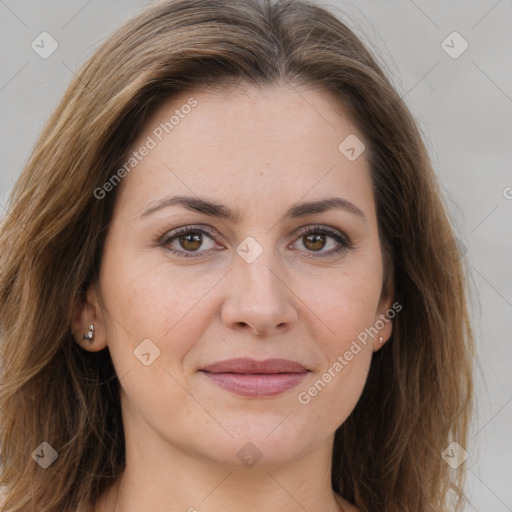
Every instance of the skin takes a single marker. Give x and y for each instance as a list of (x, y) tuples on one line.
[(258, 151)]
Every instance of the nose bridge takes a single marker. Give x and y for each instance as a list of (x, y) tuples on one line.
[(258, 279), (259, 298)]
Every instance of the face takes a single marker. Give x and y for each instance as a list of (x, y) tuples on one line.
[(242, 268)]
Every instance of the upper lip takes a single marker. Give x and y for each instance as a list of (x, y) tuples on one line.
[(247, 365)]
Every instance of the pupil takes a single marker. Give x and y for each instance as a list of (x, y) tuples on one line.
[(317, 240), (191, 242)]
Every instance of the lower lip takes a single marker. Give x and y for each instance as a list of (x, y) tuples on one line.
[(256, 384)]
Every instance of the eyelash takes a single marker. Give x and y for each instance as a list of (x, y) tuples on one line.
[(342, 239)]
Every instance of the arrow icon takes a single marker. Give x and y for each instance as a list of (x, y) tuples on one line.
[(454, 455), (249, 253), (44, 45), (454, 45), (249, 455), (44, 455), (351, 147), (147, 352)]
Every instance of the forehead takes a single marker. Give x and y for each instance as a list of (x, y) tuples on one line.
[(272, 111), (276, 141), (247, 114)]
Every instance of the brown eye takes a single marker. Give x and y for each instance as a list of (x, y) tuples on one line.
[(188, 242), (191, 242), (314, 242), (323, 241)]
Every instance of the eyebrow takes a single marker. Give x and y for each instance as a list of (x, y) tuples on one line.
[(213, 209)]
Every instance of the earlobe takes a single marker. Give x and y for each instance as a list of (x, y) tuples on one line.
[(383, 323), (90, 335), (87, 323), (382, 338)]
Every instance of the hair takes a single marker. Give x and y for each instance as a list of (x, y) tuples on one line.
[(418, 397)]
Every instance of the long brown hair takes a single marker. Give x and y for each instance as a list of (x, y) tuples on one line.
[(419, 394)]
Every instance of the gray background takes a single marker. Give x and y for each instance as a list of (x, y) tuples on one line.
[(463, 107)]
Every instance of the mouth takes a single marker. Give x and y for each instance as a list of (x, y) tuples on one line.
[(248, 377)]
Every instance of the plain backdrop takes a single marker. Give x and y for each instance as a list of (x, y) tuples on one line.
[(462, 102)]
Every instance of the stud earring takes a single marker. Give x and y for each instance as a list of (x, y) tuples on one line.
[(90, 335), (381, 339)]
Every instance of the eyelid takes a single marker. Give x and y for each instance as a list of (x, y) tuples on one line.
[(338, 235), (173, 234), (334, 232)]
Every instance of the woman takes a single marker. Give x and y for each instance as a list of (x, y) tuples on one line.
[(229, 281)]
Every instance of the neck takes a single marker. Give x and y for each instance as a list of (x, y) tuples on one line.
[(163, 478)]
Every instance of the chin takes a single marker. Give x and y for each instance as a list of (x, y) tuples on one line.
[(262, 445)]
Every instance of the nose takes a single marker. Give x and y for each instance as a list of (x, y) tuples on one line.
[(259, 301)]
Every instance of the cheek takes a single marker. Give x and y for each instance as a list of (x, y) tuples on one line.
[(344, 308), (333, 393), (332, 397), (146, 298), (347, 304)]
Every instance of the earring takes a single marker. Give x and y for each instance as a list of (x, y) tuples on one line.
[(90, 335), (381, 339)]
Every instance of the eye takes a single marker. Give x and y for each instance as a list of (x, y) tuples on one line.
[(186, 241), (316, 238)]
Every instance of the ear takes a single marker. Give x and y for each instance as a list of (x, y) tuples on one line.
[(383, 322), (87, 311)]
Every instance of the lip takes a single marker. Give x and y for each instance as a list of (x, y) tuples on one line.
[(248, 365), (248, 377)]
